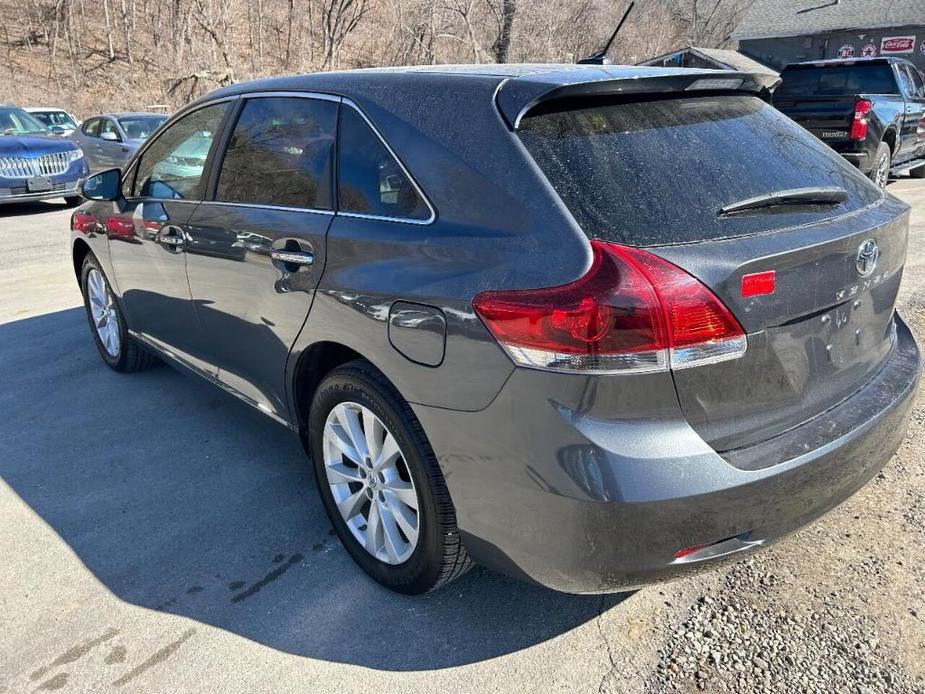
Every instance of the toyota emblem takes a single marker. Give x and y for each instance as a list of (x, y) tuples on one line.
[(868, 255)]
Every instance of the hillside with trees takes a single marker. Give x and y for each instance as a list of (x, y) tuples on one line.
[(98, 55)]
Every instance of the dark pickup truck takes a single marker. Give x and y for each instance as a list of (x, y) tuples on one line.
[(869, 110)]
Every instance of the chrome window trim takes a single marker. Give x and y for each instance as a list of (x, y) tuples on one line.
[(266, 206), (151, 140), (385, 218), (322, 96)]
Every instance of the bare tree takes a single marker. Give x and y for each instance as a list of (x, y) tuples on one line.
[(338, 19), (504, 11)]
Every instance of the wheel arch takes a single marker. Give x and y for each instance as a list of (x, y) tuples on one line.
[(79, 253), (314, 363), (889, 137)]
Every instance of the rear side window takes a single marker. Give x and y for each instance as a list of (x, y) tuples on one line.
[(281, 153), (657, 172), (371, 181), (92, 127), (837, 80)]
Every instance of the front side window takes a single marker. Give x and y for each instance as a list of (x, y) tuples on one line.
[(370, 179), (109, 127), (172, 167), (281, 153)]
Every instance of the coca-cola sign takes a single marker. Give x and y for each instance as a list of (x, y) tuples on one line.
[(897, 44)]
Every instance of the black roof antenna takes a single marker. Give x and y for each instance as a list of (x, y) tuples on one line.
[(600, 58)]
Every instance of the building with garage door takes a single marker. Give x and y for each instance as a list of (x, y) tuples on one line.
[(777, 32)]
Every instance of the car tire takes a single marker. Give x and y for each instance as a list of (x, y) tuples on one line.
[(73, 200), (116, 346), (880, 172), (437, 555), (918, 172)]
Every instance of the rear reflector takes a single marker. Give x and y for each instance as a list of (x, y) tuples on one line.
[(858, 129), (758, 283), (631, 312)]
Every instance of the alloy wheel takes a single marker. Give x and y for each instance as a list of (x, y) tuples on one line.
[(103, 311), (883, 171), (371, 483)]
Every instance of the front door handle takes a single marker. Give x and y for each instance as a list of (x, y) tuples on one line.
[(292, 257), (172, 237)]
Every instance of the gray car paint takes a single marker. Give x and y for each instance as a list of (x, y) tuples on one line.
[(581, 483)]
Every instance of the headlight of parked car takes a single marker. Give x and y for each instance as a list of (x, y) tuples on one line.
[(75, 154)]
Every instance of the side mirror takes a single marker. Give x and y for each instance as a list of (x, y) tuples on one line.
[(106, 185), (57, 130), (109, 136)]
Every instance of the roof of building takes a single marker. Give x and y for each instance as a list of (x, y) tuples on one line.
[(772, 18), (722, 58)]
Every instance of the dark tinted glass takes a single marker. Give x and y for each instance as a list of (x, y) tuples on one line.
[(141, 127), (837, 81), (657, 172), (172, 167), (371, 181), (281, 153)]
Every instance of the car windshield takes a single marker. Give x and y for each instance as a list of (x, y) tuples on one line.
[(15, 121), (52, 118), (837, 80), (140, 127)]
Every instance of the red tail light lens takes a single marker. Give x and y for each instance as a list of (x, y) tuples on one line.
[(858, 129), (121, 227), (83, 222), (632, 311)]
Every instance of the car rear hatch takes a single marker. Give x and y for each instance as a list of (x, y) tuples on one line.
[(827, 117), (724, 187)]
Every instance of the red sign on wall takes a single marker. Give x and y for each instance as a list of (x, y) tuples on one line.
[(897, 44)]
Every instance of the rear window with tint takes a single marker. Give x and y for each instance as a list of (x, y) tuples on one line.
[(837, 80), (657, 172)]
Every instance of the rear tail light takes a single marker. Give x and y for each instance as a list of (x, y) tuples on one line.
[(631, 312), (858, 129), (83, 222)]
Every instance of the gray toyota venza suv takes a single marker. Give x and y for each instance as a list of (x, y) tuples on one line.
[(588, 326)]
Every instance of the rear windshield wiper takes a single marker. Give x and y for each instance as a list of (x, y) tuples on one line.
[(794, 196)]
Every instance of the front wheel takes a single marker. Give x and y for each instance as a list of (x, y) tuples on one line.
[(380, 482), (118, 349), (880, 173)]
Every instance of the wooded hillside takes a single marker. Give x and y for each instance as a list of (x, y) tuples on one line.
[(113, 55)]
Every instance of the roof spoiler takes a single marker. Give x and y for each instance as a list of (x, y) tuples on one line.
[(517, 96)]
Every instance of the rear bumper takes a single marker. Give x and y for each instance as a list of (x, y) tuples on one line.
[(549, 492)]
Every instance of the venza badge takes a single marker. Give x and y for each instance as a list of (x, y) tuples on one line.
[(868, 255)]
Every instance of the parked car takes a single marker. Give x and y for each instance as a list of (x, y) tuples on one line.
[(871, 111), (34, 164), (112, 138), (56, 120), (590, 326)]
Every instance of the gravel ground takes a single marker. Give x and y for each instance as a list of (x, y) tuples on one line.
[(191, 559)]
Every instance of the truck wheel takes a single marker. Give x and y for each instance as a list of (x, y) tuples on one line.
[(880, 173)]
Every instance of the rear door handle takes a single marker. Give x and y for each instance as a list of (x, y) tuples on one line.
[(292, 257)]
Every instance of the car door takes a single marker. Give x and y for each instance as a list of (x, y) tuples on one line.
[(256, 251), (88, 140), (915, 111), (113, 153), (149, 237)]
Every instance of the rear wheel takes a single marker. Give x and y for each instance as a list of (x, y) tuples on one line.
[(118, 349), (380, 482), (73, 200), (880, 173)]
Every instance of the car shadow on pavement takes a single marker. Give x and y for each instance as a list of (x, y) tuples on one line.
[(20, 209), (179, 498)]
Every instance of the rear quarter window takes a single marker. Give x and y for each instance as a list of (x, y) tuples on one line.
[(657, 172), (838, 80)]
